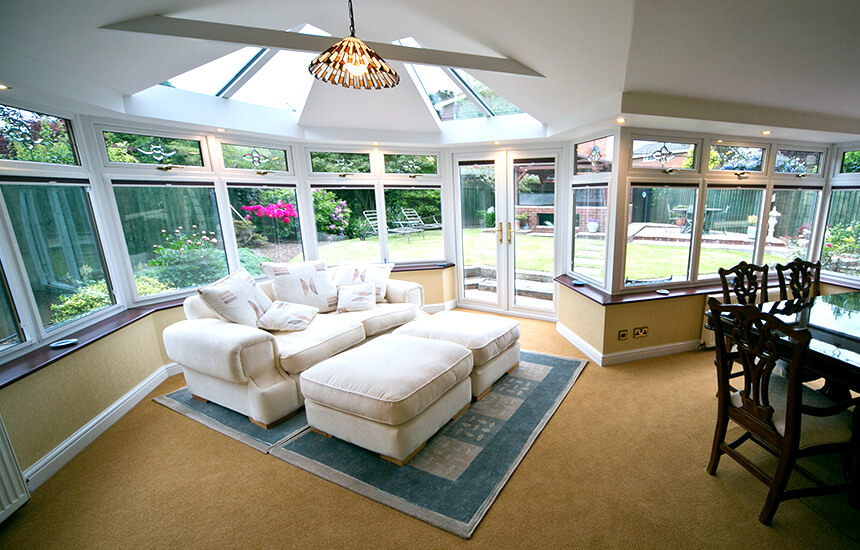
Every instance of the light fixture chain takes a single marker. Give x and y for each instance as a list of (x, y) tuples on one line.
[(351, 21)]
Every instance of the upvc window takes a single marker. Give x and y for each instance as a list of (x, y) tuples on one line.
[(792, 215), (56, 235), (798, 161), (128, 148), (347, 224), (659, 233), (736, 158), (334, 162), (729, 228), (249, 157), (590, 229), (841, 251), (266, 224), (172, 235), (594, 156), (663, 155), (414, 220), (35, 137), (410, 164), (850, 163), (10, 327)]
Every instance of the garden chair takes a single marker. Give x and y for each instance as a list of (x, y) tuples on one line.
[(778, 413), (373, 220), (414, 220)]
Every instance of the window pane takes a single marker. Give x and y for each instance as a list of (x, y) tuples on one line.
[(794, 212), (10, 328), (663, 155), (479, 238), (594, 156), (850, 162), (55, 232), (213, 76), (841, 252), (415, 221), (730, 228), (733, 157), (589, 231), (266, 222), (658, 237), (173, 236), (410, 164), (34, 137), (253, 158), (496, 103), (345, 232), (136, 148), (340, 163), (797, 162)]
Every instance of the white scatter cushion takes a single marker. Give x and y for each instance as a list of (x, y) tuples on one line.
[(350, 274), (236, 298), (286, 316), (302, 283), (356, 297)]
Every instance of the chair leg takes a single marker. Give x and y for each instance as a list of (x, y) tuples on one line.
[(777, 487), (719, 437)]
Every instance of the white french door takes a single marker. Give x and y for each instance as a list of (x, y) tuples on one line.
[(506, 228)]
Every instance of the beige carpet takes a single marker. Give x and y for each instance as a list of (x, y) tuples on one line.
[(620, 465)]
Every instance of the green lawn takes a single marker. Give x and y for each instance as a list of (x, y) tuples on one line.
[(535, 253)]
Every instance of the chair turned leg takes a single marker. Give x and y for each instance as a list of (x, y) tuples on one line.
[(719, 438)]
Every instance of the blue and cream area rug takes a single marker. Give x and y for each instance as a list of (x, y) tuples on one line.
[(454, 480)]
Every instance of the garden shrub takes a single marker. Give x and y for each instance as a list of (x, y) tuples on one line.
[(185, 260)]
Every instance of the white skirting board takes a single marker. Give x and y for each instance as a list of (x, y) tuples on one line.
[(49, 464), (433, 308), (623, 356)]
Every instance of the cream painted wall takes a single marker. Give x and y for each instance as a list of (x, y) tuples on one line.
[(43, 409), (439, 284), (583, 316), (669, 321)]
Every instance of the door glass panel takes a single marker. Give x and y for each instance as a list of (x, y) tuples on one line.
[(730, 228), (534, 213), (480, 238), (658, 236)]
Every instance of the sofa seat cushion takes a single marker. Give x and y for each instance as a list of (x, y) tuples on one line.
[(390, 379), (325, 336), (383, 317), (486, 335)]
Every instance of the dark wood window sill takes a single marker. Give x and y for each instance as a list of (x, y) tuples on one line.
[(20, 367)]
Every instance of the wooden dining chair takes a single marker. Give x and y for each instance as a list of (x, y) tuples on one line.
[(780, 414), (804, 279), (746, 282)]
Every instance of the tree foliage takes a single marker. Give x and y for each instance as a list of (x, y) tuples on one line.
[(33, 137), (137, 148)]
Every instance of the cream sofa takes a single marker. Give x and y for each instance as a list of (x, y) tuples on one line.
[(256, 372)]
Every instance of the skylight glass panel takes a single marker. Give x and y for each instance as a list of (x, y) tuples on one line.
[(284, 82), (211, 77), (450, 102), (496, 103)]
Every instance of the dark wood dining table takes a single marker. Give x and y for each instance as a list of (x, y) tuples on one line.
[(834, 324)]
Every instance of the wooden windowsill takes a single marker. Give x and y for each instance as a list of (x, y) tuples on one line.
[(29, 363)]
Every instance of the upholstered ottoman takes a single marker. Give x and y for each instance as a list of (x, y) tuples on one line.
[(494, 342), (390, 394)]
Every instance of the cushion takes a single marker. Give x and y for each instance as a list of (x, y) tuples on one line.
[(286, 316), (383, 317), (236, 298), (390, 379), (486, 335), (356, 297), (302, 283), (324, 337), (350, 274)]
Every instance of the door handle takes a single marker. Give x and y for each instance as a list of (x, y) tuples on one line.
[(509, 232), (500, 232)]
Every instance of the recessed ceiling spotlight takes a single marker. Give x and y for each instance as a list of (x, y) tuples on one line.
[(765, 132), (621, 120), (719, 141), (375, 143), (497, 143), (5, 87), (220, 130)]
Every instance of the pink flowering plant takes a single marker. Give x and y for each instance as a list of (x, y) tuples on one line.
[(841, 252), (276, 221), (186, 258)]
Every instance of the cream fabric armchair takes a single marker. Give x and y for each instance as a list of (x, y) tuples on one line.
[(255, 372)]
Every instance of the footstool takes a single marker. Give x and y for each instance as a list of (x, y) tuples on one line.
[(390, 394), (494, 342)]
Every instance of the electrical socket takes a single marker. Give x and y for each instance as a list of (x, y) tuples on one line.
[(623, 334), (640, 332)]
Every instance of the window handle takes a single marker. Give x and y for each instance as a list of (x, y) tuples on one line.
[(509, 232)]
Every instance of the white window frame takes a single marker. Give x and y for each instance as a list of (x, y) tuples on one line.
[(745, 175), (143, 168), (673, 138), (348, 177)]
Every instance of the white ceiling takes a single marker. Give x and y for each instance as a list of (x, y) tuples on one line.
[(791, 60)]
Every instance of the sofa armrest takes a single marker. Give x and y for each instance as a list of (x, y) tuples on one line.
[(405, 292), (229, 351)]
